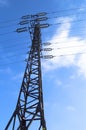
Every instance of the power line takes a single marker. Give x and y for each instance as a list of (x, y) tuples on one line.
[(65, 47), (71, 30), (12, 56), (59, 43), (63, 55), (14, 62), (21, 53), (6, 33), (52, 43), (56, 12), (50, 24), (22, 47), (9, 21), (14, 39), (66, 10), (74, 21), (66, 15), (71, 54), (80, 20), (63, 10), (13, 46), (59, 48), (71, 36), (7, 26)]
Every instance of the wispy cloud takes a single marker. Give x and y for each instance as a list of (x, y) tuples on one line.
[(58, 82), (6, 70), (71, 108), (83, 8), (18, 77), (68, 50), (3, 2)]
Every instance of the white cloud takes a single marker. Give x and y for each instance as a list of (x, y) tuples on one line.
[(58, 82), (68, 50), (83, 8), (6, 70), (72, 77), (71, 108), (18, 77)]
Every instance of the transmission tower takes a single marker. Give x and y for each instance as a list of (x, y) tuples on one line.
[(29, 111)]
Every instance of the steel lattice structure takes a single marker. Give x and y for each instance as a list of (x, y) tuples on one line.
[(29, 111)]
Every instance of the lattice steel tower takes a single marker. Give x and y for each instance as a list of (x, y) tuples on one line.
[(29, 111)]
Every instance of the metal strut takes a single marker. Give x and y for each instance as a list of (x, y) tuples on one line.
[(29, 111)]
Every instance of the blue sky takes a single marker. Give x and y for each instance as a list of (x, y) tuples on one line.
[(64, 76)]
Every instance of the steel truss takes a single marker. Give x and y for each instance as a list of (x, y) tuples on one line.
[(29, 111)]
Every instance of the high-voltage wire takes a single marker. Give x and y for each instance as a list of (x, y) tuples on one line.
[(56, 12), (53, 12), (13, 62), (69, 37), (62, 55), (71, 29), (79, 53), (51, 24), (63, 47), (13, 46), (63, 38), (54, 24), (6, 33), (73, 21), (67, 15), (79, 20), (9, 21), (64, 10), (18, 51), (13, 39), (10, 57), (19, 40), (7, 26)]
